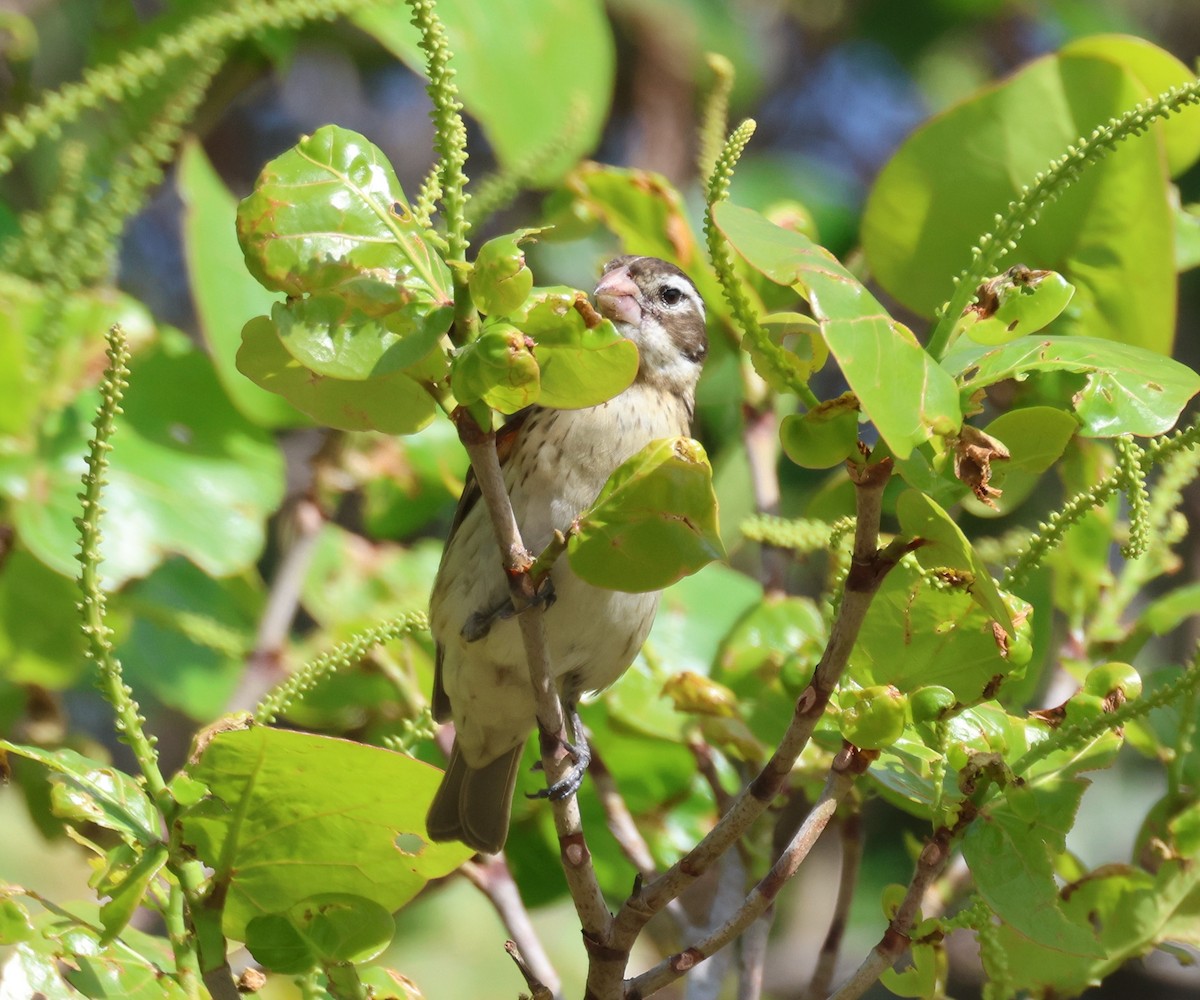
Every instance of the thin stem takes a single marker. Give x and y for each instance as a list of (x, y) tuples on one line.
[(847, 766), (869, 567), (491, 876), (895, 940), (852, 849)]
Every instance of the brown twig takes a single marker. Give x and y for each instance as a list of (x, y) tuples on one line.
[(594, 916), (538, 989), (868, 568), (895, 941), (847, 766), (852, 848), (491, 876)]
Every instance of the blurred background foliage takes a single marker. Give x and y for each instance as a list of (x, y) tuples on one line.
[(220, 491)]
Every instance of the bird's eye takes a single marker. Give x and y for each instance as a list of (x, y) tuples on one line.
[(670, 295)]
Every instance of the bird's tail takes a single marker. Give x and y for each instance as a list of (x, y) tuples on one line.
[(473, 804)]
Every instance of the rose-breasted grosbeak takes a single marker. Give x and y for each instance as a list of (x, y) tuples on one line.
[(555, 463)]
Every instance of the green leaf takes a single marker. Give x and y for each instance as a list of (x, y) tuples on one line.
[(190, 636), (393, 404), (225, 293), (1036, 437), (500, 280), (898, 385), (767, 659), (331, 337), (1008, 849), (329, 216), (84, 791), (497, 367), (693, 616), (536, 74), (947, 546), (824, 436), (1017, 303), (1128, 390), (946, 183), (186, 468), (15, 926), (915, 635), (328, 927), (31, 594), (580, 366), (654, 521), (647, 215), (292, 815), (124, 900)]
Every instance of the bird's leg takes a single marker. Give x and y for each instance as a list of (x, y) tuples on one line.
[(579, 750), (480, 623)]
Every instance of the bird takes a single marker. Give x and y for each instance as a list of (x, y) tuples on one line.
[(555, 462)]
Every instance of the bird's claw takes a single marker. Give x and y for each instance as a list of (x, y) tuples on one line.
[(480, 623), (581, 755)]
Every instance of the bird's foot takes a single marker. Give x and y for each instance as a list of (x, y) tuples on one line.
[(581, 756), (480, 623)]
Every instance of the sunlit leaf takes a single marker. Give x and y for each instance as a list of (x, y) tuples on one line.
[(654, 522), (537, 74), (394, 404), (898, 385), (1128, 390), (292, 815), (947, 182)]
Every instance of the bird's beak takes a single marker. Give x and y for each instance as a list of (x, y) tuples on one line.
[(617, 297)]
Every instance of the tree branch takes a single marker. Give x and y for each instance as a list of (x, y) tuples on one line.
[(847, 766), (868, 568), (593, 912), (852, 849)]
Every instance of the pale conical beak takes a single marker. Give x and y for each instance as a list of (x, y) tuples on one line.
[(617, 298)]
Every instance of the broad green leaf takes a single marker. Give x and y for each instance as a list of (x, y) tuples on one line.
[(1131, 910), (31, 594), (68, 952), (947, 547), (225, 293), (947, 182), (85, 791), (647, 214), (327, 927), (1009, 852), (500, 280), (536, 74), (331, 337), (898, 385), (329, 215), (292, 815), (190, 636), (654, 521), (1128, 390), (580, 366), (1036, 437), (497, 367), (915, 635), (393, 404), (15, 926), (1017, 303), (824, 436), (186, 469)]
